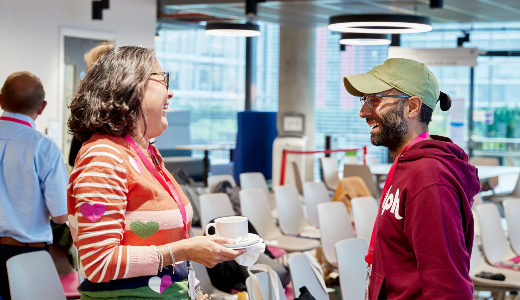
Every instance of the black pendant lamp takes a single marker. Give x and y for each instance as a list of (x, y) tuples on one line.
[(380, 23), (365, 39), (248, 29)]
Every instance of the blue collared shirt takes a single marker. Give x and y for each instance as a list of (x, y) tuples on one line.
[(33, 181)]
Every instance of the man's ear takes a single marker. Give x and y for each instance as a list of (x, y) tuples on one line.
[(42, 107), (414, 107)]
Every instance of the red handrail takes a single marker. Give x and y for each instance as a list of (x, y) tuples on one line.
[(285, 152)]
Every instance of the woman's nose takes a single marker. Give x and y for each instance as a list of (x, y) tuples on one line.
[(170, 94)]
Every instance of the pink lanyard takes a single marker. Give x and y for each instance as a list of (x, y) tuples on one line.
[(168, 185), (369, 258), (9, 119)]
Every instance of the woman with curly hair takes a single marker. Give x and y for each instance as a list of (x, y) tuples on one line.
[(129, 218)]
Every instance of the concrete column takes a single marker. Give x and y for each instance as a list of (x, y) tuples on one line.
[(297, 81)]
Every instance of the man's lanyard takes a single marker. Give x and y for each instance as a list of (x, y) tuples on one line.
[(369, 258), (9, 119), (168, 185)]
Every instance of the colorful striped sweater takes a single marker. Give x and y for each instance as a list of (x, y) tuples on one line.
[(117, 212)]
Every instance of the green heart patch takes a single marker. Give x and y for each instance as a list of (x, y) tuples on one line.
[(144, 230)]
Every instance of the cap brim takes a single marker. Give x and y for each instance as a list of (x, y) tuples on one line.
[(361, 84)]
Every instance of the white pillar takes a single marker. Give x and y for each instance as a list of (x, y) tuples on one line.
[(297, 81)]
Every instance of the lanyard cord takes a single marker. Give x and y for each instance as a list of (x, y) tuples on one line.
[(369, 258), (169, 187), (9, 119)]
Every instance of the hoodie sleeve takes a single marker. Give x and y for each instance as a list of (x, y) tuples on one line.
[(434, 227)]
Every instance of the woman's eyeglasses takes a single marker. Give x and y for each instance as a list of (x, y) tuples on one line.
[(165, 81), (369, 99)]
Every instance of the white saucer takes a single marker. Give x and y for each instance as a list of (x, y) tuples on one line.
[(242, 247), (249, 241)]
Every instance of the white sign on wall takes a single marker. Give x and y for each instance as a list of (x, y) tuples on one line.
[(457, 121), (437, 57)]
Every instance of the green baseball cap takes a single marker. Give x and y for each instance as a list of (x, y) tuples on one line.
[(407, 75)]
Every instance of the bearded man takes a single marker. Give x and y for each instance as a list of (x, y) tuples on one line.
[(422, 240)]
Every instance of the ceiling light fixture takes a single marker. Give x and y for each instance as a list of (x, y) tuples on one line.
[(233, 29), (380, 23), (237, 29), (365, 39)]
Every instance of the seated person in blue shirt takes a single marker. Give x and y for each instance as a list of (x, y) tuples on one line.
[(33, 177)]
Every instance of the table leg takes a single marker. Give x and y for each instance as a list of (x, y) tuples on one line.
[(206, 167)]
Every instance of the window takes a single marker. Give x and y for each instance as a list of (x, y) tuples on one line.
[(208, 77)]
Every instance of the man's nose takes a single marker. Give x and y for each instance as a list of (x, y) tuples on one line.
[(365, 112)]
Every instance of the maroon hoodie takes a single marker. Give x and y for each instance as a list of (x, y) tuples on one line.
[(425, 225)]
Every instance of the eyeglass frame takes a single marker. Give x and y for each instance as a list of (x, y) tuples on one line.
[(165, 81), (370, 104)]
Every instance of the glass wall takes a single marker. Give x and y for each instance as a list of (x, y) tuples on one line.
[(207, 77), (497, 85), (336, 111)]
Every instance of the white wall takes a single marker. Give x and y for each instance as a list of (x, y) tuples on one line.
[(30, 37)]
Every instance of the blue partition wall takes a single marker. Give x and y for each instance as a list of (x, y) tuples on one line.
[(255, 137)]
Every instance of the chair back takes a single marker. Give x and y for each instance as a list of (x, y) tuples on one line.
[(512, 213), (290, 210), (297, 177), (256, 180), (352, 267), (302, 274), (314, 193), (214, 206), (486, 161), (33, 275), (329, 172), (216, 179), (350, 160), (335, 226), (364, 212), (363, 171), (255, 207), (266, 286), (371, 160), (203, 277), (494, 241)]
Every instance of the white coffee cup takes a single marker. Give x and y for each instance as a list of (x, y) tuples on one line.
[(230, 227)]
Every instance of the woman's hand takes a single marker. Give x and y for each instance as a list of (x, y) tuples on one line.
[(207, 250)]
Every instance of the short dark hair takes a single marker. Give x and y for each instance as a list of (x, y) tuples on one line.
[(425, 116), (108, 99), (22, 93)]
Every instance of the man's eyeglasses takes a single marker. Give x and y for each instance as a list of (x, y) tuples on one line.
[(369, 99), (165, 81)]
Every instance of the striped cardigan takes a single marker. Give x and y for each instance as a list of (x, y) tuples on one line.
[(117, 212)]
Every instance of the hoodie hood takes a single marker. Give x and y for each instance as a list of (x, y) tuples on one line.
[(452, 157)]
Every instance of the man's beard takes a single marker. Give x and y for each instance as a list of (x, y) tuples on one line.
[(393, 128)]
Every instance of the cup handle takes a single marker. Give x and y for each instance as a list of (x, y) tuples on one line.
[(207, 228)]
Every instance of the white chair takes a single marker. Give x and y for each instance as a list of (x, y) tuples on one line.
[(266, 287), (255, 207), (290, 212), (494, 242), (33, 276), (335, 226), (297, 177), (512, 212), (214, 206), (478, 265), (371, 160), (329, 171), (352, 267), (216, 179), (205, 281), (256, 180), (302, 274), (314, 193), (364, 212), (363, 171)]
